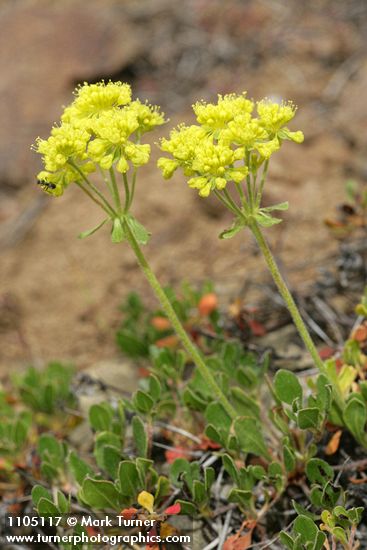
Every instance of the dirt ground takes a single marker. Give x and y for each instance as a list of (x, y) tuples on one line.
[(59, 296)]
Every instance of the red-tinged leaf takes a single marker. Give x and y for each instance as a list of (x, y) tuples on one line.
[(160, 323), (207, 304), (360, 334), (207, 443), (128, 513), (173, 510), (177, 452), (167, 342), (338, 364), (326, 352), (238, 543), (143, 372), (257, 328), (152, 534)]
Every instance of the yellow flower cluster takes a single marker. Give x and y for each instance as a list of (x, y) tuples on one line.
[(217, 149), (102, 127)]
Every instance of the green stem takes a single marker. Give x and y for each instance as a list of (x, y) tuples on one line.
[(291, 305), (87, 192), (176, 324), (225, 202), (262, 182), (127, 193), (94, 188), (132, 189), (229, 198), (115, 191)]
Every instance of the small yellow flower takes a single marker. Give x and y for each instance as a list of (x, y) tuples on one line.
[(244, 130), (273, 116), (93, 99), (214, 117), (148, 116)]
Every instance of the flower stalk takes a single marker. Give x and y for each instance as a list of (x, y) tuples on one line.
[(176, 324)]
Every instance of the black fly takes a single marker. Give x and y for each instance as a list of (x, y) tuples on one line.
[(46, 185)]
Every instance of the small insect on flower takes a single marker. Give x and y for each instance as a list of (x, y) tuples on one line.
[(46, 185)]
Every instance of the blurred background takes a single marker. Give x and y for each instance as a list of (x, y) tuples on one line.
[(59, 296)]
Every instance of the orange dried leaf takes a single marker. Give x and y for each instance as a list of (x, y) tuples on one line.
[(128, 513), (360, 334), (207, 304), (334, 443), (167, 342), (238, 543), (177, 452), (160, 323)]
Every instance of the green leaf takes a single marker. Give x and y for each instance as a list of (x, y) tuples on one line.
[(140, 436), (100, 417), (109, 459), (118, 233), (278, 206), (308, 418), (46, 508), (62, 502), (187, 508), (199, 494), (305, 527), (301, 511), (163, 489), (265, 220), (286, 540), (319, 471), (230, 467), (193, 400), (128, 476), (287, 387), (99, 494), (245, 405), (155, 388), (237, 225), (250, 437), (355, 417), (79, 468), (339, 534), (39, 492), (49, 446), (289, 458), (179, 467), (240, 496), (142, 401), (20, 433), (90, 232), (209, 478), (144, 466), (218, 417), (131, 344), (213, 434), (138, 230)]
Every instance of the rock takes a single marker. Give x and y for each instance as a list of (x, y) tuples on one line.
[(45, 50)]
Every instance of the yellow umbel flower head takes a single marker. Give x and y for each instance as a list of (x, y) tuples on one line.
[(102, 128), (228, 142)]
